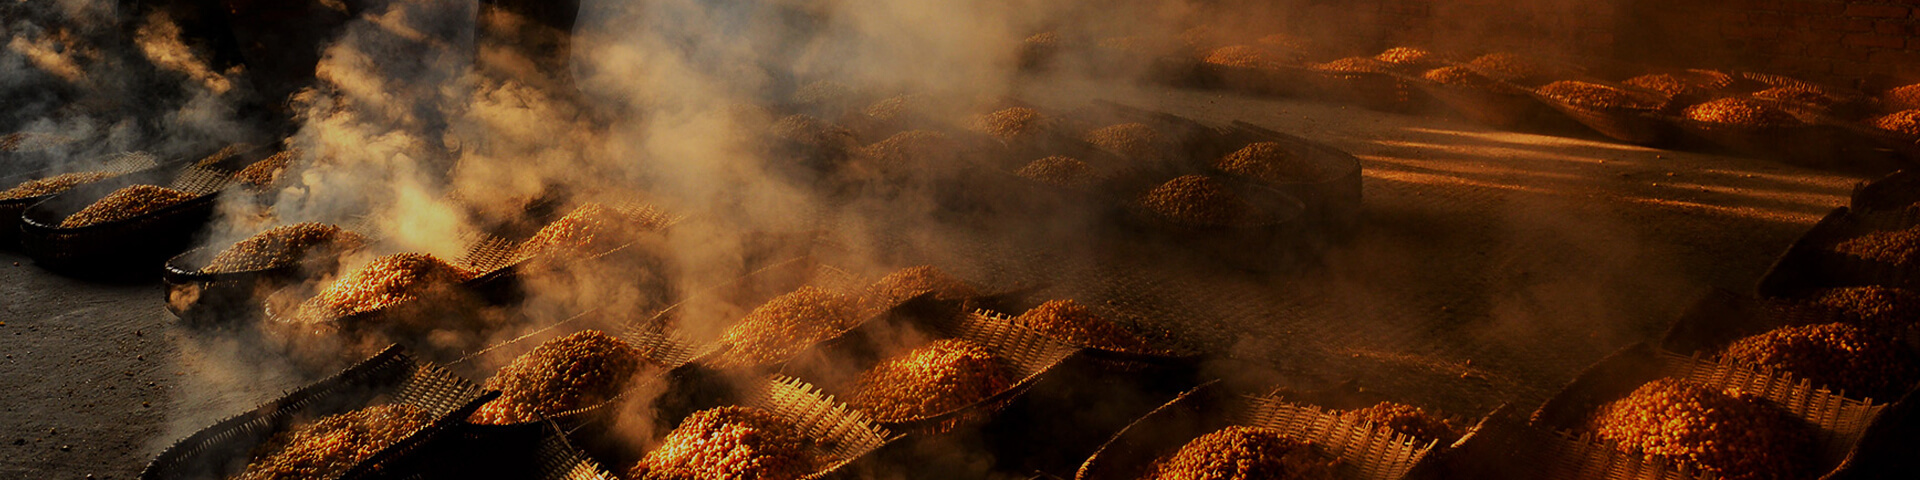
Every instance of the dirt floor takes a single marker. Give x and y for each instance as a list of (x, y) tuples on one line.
[(1490, 267)]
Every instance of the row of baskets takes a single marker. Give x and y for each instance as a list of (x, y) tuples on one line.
[(174, 199), (1013, 163), (1865, 432), (1058, 403), (1303, 216), (1516, 91)]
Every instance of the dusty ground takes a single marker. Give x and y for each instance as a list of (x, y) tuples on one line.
[(1491, 265)]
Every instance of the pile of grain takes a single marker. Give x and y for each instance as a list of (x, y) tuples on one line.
[(52, 185), (1514, 68), (1199, 201), (266, 172), (1901, 98), (1596, 96), (1133, 140), (1407, 420), (1666, 83), (729, 443), (1740, 112), (1244, 453), (1011, 123), (1243, 56), (1060, 171), (935, 378), (1840, 356), (387, 281), (1409, 57), (1270, 162), (328, 447), (1073, 323), (924, 279), (1464, 77), (126, 203), (564, 374), (1881, 309), (1728, 434), (592, 228), (284, 245), (1904, 122), (1896, 248), (1351, 65), (787, 325)]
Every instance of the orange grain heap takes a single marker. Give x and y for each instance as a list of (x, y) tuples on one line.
[(923, 279), (1901, 98), (1880, 309), (386, 282), (1244, 453), (1132, 140), (330, 446), (1408, 420), (1895, 248), (1740, 112), (1840, 356), (1459, 76), (126, 203), (1073, 323), (935, 378), (786, 325), (1514, 68), (1904, 122), (267, 171), (1412, 57), (1060, 171), (592, 228), (1351, 65), (729, 443), (51, 185), (1199, 201), (564, 374), (1011, 123), (1729, 434), (284, 245), (1596, 96), (1270, 162), (1244, 56)]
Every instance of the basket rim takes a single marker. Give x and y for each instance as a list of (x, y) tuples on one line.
[(1060, 352), (393, 354), (1233, 407), (34, 225), (1349, 165)]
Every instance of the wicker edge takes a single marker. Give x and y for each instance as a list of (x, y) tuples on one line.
[(842, 435), (1841, 423), (447, 396), (1367, 452)]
